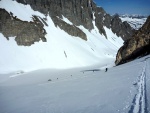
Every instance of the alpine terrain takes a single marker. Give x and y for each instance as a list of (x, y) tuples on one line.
[(135, 21), (60, 56), (58, 34)]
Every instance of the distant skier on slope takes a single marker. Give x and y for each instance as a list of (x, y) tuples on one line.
[(106, 69)]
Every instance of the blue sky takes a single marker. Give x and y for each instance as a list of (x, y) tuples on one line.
[(125, 6)]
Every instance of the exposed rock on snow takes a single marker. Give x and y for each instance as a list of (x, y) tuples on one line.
[(70, 29), (80, 12), (137, 46), (26, 32), (121, 29)]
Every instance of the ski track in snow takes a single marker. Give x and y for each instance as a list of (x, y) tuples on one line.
[(140, 99)]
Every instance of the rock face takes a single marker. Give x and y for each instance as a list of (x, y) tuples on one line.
[(70, 29), (26, 32), (121, 29), (138, 45), (79, 12)]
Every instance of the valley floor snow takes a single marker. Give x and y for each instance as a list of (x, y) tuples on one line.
[(122, 89)]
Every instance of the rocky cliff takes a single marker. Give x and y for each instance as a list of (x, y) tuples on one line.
[(79, 12), (25, 33), (138, 45)]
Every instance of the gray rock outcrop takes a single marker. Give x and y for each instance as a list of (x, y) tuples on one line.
[(81, 12), (25, 33), (70, 29), (122, 29), (137, 46)]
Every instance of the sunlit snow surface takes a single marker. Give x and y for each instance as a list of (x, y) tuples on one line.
[(61, 51), (122, 89), (23, 12), (69, 74), (135, 23)]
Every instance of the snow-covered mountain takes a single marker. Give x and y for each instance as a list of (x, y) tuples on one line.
[(57, 56), (135, 21), (52, 39)]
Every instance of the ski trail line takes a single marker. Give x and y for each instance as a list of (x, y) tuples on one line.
[(139, 101)]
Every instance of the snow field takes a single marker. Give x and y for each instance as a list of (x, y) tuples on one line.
[(73, 91)]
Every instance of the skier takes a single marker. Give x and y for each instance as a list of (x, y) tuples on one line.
[(106, 69)]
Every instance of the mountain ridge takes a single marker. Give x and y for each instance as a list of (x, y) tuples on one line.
[(135, 21), (80, 13)]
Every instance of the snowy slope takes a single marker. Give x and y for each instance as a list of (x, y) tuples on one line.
[(61, 51), (122, 89), (135, 23), (23, 12)]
